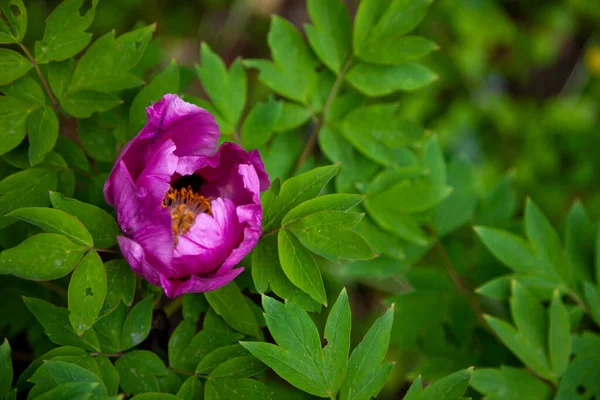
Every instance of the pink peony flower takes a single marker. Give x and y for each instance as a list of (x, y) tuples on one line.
[(189, 214)]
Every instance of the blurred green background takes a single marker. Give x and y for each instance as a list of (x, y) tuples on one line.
[(519, 91), (519, 83)]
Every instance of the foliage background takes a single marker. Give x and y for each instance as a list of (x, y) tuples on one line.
[(518, 97)]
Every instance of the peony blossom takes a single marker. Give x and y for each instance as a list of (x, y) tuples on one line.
[(189, 214)]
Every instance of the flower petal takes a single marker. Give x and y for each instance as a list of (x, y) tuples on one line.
[(199, 284), (134, 254), (192, 129), (208, 243)]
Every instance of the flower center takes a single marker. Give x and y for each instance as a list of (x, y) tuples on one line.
[(184, 205)]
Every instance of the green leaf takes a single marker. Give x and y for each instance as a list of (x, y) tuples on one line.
[(73, 154), (380, 241), (179, 340), (449, 388), (559, 336), (165, 82), (137, 324), (267, 271), (238, 367), (330, 202), (499, 204), (580, 233), (263, 259), (597, 257), (42, 257), (13, 21), (55, 352), (592, 297), (87, 290), (509, 383), (433, 158), (381, 80), (459, 207), (105, 63), (226, 89), (299, 372), (59, 76), (354, 167), (291, 116), (399, 50), (337, 336), (109, 375), (63, 372), (229, 303), (220, 356), (292, 328), (510, 249), (292, 74), (581, 377), (391, 176), (299, 357), (331, 35), (120, 284), (13, 121), (43, 132), (57, 326), (191, 389), (83, 104), (193, 305), (100, 224), (407, 198), (546, 241), (110, 327), (300, 267), (379, 24), (12, 66), (26, 89), (402, 225), (529, 317), (99, 143), (55, 221), (65, 34), (326, 233), (139, 370), (520, 346), (364, 366), (6, 369), (169, 383), (379, 133), (295, 191), (224, 388), (25, 188), (415, 391), (203, 343), (71, 390), (259, 125)]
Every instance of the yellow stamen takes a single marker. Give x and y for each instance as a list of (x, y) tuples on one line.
[(184, 206)]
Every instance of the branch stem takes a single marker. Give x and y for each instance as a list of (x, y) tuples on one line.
[(40, 75), (312, 141), (99, 353)]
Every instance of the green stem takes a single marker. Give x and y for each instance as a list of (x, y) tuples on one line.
[(40, 75), (312, 141), (99, 353)]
